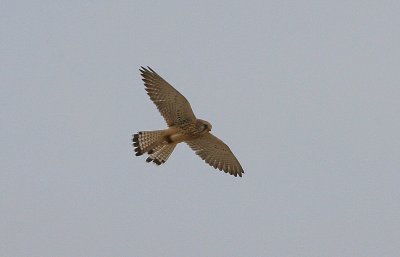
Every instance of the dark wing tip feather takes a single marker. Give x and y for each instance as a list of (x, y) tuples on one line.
[(148, 67), (146, 70)]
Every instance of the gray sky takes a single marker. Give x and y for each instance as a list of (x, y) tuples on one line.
[(306, 94)]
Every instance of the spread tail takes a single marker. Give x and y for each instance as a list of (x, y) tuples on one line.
[(153, 143)]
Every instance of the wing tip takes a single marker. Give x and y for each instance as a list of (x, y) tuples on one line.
[(237, 173), (146, 70)]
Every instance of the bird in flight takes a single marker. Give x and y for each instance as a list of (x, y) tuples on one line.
[(183, 126)]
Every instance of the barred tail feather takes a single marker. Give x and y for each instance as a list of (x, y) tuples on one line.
[(146, 141), (161, 154), (153, 143)]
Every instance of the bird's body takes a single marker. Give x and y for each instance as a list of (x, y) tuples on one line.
[(183, 126)]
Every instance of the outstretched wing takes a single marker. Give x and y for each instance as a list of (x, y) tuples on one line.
[(172, 105), (216, 153)]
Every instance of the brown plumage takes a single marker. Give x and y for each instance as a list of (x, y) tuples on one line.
[(183, 126)]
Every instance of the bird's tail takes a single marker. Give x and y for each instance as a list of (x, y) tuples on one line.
[(153, 143)]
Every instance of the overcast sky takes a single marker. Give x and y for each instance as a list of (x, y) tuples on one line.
[(305, 93)]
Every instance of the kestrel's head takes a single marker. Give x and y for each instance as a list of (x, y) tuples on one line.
[(203, 126)]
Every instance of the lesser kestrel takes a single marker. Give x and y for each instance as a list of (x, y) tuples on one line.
[(183, 126)]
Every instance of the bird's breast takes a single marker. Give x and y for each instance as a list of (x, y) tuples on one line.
[(181, 133)]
